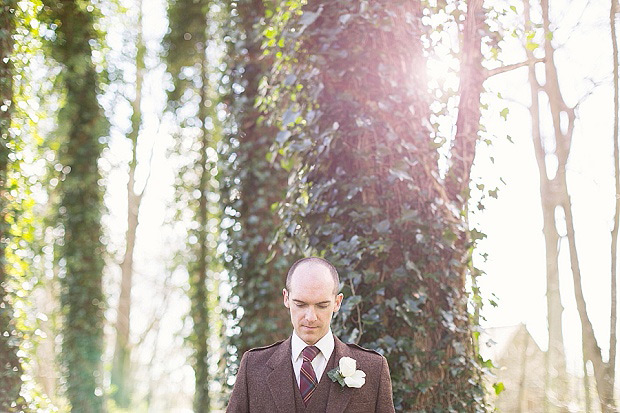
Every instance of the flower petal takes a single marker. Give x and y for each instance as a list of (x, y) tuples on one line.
[(357, 380), (347, 366)]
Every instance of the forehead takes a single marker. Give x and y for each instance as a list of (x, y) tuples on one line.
[(311, 280)]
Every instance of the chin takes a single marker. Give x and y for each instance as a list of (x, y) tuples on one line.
[(311, 337)]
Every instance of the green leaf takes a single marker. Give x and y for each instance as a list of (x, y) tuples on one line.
[(289, 117), (383, 227), (310, 17), (499, 387), (504, 113), (531, 46), (336, 377), (283, 136)]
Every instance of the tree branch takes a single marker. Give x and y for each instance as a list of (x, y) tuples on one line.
[(507, 68)]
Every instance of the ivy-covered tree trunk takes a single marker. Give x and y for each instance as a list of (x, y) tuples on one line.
[(10, 366), (80, 124), (370, 198), (254, 185), (186, 45)]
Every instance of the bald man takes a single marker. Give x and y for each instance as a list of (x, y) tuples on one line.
[(292, 375)]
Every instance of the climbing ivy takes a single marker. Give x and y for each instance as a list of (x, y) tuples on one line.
[(349, 92), (252, 186), (81, 124)]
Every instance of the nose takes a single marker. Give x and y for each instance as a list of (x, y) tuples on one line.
[(311, 314)]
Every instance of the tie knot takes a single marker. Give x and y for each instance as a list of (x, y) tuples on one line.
[(310, 352)]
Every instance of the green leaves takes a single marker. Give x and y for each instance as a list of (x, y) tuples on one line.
[(336, 377)]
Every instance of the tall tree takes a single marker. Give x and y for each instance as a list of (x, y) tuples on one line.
[(367, 189), (80, 125), (186, 53), (556, 196), (555, 358), (613, 341), (252, 185), (10, 365), (120, 379)]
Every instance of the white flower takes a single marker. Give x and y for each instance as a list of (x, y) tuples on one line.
[(356, 380), (347, 374), (347, 366)]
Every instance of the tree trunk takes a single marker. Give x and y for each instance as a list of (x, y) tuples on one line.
[(556, 191), (121, 380), (10, 365), (614, 233), (82, 121), (198, 273), (186, 47), (376, 206), (555, 359), (257, 269)]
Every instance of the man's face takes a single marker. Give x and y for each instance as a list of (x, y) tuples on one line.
[(311, 301)]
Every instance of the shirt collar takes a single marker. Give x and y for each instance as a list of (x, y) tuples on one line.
[(325, 344)]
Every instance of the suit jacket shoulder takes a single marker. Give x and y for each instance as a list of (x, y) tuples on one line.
[(367, 350), (277, 343)]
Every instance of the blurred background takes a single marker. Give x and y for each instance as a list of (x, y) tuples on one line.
[(163, 163)]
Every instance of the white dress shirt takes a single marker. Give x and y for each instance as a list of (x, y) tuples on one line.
[(326, 347)]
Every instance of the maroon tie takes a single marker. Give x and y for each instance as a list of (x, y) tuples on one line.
[(307, 378)]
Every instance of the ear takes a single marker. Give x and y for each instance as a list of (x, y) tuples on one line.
[(285, 297), (339, 298)]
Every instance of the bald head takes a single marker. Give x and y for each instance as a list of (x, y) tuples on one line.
[(313, 263)]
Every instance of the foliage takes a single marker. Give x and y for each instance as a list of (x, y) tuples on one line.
[(349, 94), (10, 366), (192, 104), (80, 126), (20, 143), (252, 186)]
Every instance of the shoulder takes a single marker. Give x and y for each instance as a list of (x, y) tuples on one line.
[(367, 351), (263, 353), (270, 346), (365, 354)]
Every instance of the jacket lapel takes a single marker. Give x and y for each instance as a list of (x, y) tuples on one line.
[(338, 396), (279, 379)]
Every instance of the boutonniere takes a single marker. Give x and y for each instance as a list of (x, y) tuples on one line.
[(346, 373)]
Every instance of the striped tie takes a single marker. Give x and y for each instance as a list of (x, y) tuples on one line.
[(307, 378)]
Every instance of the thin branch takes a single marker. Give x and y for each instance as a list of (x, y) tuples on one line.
[(614, 232), (507, 68)]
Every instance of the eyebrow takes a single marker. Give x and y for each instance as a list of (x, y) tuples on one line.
[(303, 302)]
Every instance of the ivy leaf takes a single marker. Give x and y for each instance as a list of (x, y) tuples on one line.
[(499, 387), (289, 117), (400, 174), (531, 46), (283, 136), (310, 17), (344, 18), (504, 113), (290, 79), (383, 227)]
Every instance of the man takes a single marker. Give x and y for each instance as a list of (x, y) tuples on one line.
[(292, 375)]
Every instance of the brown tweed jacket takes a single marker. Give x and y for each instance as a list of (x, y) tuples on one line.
[(265, 382)]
